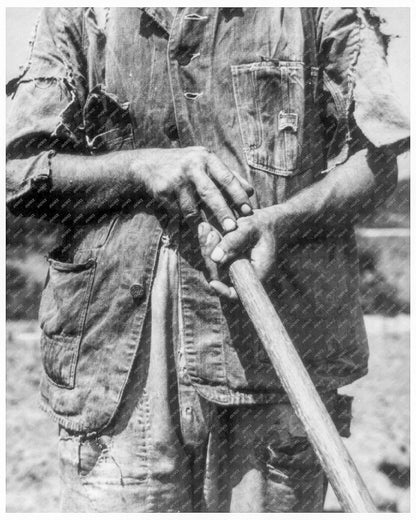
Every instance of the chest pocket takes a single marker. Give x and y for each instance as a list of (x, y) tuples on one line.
[(269, 97)]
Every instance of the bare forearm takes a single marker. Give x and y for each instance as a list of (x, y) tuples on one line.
[(84, 186), (180, 181), (348, 192), (68, 188)]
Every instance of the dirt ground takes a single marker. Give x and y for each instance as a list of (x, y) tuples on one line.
[(379, 443)]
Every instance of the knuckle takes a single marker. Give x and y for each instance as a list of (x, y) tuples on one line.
[(199, 149), (228, 180), (244, 224), (192, 166), (182, 183), (200, 152), (206, 191), (222, 213), (164, 190), (231, 241)]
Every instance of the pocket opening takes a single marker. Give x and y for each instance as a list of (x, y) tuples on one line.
[(67, 267), (269, 97), (62, 316)]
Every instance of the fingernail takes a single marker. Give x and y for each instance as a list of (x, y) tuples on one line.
[(217, 255), (229, 224), (246, 209), (203, 229), (211, 237)]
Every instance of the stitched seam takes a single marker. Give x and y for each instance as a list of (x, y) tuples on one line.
[(345, 112), (147, 445), (251, 154), (237, 97), (139, 333), (86, 306), (70, 379), (352, 70), (66, 423)]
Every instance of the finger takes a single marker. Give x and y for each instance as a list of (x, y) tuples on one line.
[(188, 205), (214, 200), (213, 238), (230, 184), (245, 184), (232, 245), (223, 290), (203, 231), (208, 238)]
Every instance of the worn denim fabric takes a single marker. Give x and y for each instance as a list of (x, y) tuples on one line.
[(168, 449), (282, 95), (251, 458)]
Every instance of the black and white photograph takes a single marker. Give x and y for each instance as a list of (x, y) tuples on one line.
[(207, 279)]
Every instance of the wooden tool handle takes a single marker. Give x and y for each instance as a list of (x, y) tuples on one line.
[(342, 473)]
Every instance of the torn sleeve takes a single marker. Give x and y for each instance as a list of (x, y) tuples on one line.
[(45, 115), (359, 105)]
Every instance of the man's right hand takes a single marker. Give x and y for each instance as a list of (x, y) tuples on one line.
[(182, 180), (186, 180)]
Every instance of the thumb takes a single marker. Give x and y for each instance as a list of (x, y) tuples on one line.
[(232, 244)]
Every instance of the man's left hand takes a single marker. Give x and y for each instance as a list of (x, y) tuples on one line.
[(255, 237)]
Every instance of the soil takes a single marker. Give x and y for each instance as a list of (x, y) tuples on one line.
[(379, 443)]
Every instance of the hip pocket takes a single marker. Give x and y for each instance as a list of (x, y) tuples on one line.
[(269, 97), (62, 315)]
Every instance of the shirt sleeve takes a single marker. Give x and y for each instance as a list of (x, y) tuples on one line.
[(360, 107), (45, 113)]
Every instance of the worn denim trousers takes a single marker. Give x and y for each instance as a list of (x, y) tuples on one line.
[(170, 450)]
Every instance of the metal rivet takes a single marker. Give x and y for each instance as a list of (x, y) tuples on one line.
[(136, 290)]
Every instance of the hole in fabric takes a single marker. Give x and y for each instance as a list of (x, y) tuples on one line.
[(195, 16), (192, 95)]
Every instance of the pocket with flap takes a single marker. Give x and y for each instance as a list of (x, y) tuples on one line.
[(62, 314), (269, 97)]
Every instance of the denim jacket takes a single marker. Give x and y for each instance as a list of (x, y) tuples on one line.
[(281, 95)]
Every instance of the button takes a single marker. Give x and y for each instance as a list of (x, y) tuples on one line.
[(171, 130), (137, 291)]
